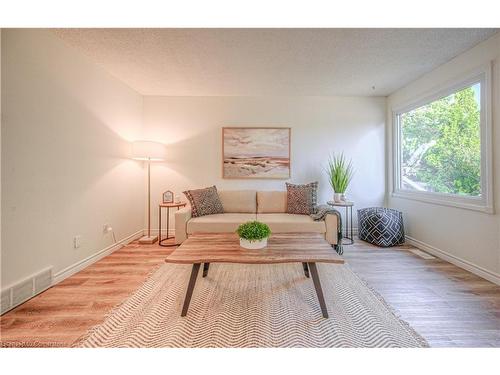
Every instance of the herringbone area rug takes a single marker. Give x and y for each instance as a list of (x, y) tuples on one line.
[(253, 306)]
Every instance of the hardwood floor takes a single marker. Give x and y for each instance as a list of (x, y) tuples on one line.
[(448, 306), (63, 313)]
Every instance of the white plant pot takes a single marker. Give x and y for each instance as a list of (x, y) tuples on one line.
[(253, 245), (337, 197)]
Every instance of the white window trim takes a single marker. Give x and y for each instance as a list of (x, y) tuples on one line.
[(483, 203)]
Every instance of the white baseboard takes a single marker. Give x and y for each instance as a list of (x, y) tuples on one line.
[(466, 265), (74, 268)]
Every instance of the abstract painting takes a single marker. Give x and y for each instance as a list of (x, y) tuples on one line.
[(256, 153)]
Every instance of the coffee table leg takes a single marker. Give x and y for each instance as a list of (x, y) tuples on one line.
[(306, 269), (189, 292), (317, 286), (205, 269)]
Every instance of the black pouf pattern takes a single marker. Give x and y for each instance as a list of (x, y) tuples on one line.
[(381, 226)]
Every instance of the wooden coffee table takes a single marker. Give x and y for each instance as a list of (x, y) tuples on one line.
[(206, 248)]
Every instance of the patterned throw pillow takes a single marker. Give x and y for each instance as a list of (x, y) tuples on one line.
[(204, 201), (302, 199)]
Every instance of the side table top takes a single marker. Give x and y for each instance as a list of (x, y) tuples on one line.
[(343, 204), (181, 204)]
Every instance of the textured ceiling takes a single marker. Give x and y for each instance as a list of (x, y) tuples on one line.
[(255, 62)]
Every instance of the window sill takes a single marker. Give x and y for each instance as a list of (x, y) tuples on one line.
[(474, 204)]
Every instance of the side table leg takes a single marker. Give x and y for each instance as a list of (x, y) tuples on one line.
[(319, 291), (189, 292), (352, 236), (159, 225), (168, 222)]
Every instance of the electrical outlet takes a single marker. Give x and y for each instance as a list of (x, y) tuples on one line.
[(107, 228), (77, 241)]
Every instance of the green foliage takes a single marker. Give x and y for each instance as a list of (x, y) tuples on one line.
[(339, 172), (253, 231), (441, 148)]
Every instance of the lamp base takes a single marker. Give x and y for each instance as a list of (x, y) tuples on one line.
[(148, 240)]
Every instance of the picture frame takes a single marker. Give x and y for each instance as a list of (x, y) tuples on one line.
[(168, 196), (256, 153)]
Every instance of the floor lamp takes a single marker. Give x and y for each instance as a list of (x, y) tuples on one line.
[(148, 151)]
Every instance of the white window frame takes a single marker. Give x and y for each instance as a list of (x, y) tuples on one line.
[(482, 203)]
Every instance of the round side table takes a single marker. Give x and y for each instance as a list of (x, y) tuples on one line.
[(348, 220), (168, 206)]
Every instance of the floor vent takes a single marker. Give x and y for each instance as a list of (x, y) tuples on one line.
[(42, 281), (26, 289), (22, 291), (5, 304)]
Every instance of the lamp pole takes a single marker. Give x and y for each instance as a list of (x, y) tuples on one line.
[(148, 151), (149, 197)]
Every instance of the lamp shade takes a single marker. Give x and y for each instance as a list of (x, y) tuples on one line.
[(148, 150)]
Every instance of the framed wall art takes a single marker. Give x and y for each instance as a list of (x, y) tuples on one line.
[(260, 152)]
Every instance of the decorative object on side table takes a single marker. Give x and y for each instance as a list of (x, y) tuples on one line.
[(168, 206), (168, 197), (253, 235), (340, 172), (148, 151), (348, 220)]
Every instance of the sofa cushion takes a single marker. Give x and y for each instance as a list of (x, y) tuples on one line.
[(289, 223), (271, 202), (217, 223), (302, 199), (238, 201), (204, 201)]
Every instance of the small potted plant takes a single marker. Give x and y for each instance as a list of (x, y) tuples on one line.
[(253, 234), (340, 173)]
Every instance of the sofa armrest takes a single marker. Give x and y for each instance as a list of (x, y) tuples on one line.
[(182, 216), (331, 229)]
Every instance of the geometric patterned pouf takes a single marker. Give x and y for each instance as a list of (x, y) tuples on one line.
[(381, 226)]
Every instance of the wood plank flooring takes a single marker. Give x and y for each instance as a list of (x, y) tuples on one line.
[(63, 313), (448, 306)]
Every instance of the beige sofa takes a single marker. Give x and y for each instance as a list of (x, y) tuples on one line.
[(245, 205)]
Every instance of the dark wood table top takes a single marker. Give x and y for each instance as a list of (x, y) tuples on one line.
[(281, 248)]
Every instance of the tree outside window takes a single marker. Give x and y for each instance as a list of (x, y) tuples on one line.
[(441, 145)]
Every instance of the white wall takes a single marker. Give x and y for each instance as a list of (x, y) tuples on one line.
[(0, 154), (191, 128), (466, 236), (65, 131)]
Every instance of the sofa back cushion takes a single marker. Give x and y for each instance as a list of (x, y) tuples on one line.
[(238, 201), (271, 202)]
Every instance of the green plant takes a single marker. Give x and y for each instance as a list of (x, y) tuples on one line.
[(253, 231), (339, 172)]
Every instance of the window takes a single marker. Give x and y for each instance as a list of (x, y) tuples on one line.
[(442, 146)]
